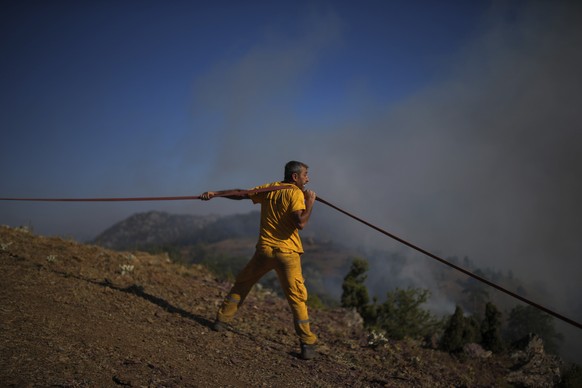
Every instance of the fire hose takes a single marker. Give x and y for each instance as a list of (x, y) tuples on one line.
[(319, 199)]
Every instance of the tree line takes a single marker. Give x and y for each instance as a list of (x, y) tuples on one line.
[(402, 315)]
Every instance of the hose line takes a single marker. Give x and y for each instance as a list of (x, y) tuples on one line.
[(466, 272), (319, 199)]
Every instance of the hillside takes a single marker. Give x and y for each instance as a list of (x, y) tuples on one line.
[(225, 243), (75, 315)]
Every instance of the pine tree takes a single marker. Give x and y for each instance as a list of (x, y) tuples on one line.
[(476, 293), (355, 293), (452, 339), (491, 329)]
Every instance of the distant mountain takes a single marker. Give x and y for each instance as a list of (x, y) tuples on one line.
[(155, 229)]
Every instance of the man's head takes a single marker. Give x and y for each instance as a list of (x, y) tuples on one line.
[(296, 172)]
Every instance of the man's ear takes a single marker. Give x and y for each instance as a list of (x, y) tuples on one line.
[(294, 176)]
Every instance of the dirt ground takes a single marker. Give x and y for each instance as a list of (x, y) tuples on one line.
[(74, 315)]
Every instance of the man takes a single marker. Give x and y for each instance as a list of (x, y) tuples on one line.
[(284, 211)]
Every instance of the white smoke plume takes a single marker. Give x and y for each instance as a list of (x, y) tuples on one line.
[(485, 163)]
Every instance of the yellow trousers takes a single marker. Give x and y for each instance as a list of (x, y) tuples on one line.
[(288, 268)]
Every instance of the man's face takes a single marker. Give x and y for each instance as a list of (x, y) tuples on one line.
[(301, 179)]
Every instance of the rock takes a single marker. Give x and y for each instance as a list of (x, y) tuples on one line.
[(122, 380), (474, 350), (431, 341), (353, 319), (376, 339), (532, 366)]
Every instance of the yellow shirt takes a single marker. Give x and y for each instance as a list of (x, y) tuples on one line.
[(278, 227)]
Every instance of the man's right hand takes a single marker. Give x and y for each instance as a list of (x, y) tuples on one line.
[(207, 195)]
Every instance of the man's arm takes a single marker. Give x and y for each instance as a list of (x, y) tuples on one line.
[(302, 216), (230, 194)]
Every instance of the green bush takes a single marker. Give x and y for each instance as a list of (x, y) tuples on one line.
[(401, 314)]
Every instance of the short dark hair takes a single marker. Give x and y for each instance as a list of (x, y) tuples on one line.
[(293, 167)]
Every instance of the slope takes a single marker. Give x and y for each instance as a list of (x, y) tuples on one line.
[(80, 315)]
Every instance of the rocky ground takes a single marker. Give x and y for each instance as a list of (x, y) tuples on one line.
[(74, 315)]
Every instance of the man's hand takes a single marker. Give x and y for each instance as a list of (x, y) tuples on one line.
[(302, 216), (309, 197), (207, 195), (230, 194)]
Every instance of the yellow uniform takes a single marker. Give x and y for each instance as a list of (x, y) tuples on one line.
[(277, 223), (278, 248)]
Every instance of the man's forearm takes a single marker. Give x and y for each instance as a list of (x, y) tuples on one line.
[(304, 216), (230, 194)]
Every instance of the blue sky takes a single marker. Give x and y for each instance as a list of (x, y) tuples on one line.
[(410, 99), (134, 98), (454, 124)]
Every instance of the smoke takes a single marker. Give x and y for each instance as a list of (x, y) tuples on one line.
[(249, 98), (484, 163), (487, 163)]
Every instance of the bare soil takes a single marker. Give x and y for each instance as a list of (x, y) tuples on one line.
[(74, 315)]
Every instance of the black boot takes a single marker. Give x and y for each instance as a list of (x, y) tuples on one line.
[(308, 351), (218, 326)]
